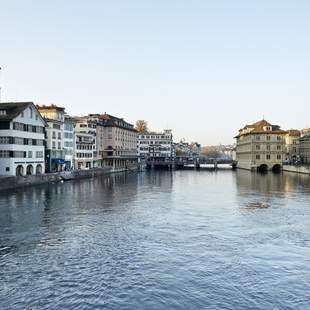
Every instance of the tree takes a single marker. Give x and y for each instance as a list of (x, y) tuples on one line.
[(141, 126)]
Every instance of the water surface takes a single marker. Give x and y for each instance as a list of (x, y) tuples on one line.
[(162, 240)]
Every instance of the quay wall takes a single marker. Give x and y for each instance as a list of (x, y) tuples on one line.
[(12, 182), (297, 169)]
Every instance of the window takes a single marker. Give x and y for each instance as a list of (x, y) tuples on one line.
[(279, 138), (59, 135), (257, 137), (257, 147), (59, 145), (4, 125), (30, 112), (2, 112), (54, 145), (29, 154), (56, 126), (279, 147), (268, 138), (279, 156), (258, 157), (4, 154), (4, 140), (39, 154), (268, 156), (54, 135), (268, 147)]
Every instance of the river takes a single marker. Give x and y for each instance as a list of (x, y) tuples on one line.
[(158, 240)]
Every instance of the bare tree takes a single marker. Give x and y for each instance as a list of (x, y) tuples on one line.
[(141, 126)]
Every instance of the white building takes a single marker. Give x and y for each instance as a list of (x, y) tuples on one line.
[(54, 153), (21, 139), (85, 143), (69, 142), (156, 146)]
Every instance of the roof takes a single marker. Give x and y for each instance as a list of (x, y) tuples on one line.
[(50, 107), (294, 133), (259, 128), (13, 109)]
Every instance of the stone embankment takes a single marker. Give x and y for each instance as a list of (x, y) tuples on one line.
[(12, 182), (297, 169)]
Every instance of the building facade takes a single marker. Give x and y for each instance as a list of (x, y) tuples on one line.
[(260, 146), (119, 143), (292, 153), (21, 139), (304, 146), (54, 135), (156, 146), (69, 142), (85, 143)]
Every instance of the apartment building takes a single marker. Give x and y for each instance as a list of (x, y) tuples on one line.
[(21, 139), (260, 146), (69, 142), (119, 142), (54, 117), (85, 143), (156, 146), (292, 145)]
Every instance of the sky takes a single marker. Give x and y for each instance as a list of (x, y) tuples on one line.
[(203, 68)]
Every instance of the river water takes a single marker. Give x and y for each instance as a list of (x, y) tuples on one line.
[(160, 240)]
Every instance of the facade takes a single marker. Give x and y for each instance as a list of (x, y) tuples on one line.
[(190, 150), (156, 146), (120, 143), (21, 139), (85, 143), (304, 147), (260, 146), (292, 146), (69, 142), (54, 151)]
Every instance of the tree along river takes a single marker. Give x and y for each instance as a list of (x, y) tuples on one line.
[(158, 240)]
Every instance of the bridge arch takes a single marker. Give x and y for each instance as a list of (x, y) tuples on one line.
[(277, 168), (263, 168)]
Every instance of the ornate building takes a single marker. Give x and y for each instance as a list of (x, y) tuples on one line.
[(260, 146)]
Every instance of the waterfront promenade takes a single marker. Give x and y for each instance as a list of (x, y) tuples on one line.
[(158, 240)]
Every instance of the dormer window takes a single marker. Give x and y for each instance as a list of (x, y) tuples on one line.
[(2, 112), (267, 128)]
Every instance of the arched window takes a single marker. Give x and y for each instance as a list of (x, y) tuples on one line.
[(39, 169), (29, 170), (19, 170)]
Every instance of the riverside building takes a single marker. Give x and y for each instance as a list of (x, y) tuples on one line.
[(69, 142), (304, 146), (54, 152), (85, 143), (156, 146), (260, 146), (21, 139), (117, 142)]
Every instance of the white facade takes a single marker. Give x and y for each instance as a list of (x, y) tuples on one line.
[(85, 143), (21, 140), (69, 142), (55, 154), (157, 146)]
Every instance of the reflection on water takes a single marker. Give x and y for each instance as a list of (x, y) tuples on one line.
[(162, 240)]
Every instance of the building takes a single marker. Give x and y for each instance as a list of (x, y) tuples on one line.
[(260, 146), (85, 143), (54, 151), (304, 146), (69, 142), (21, 139), (185, 149), (156, 146), (292, 146), (120, 143)]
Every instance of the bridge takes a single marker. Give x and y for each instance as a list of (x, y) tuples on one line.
[(190, 163)]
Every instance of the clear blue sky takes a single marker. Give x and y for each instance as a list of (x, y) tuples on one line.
[(203, 68)]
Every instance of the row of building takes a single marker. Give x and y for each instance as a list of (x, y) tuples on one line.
[(38, 139), (263, 146)]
